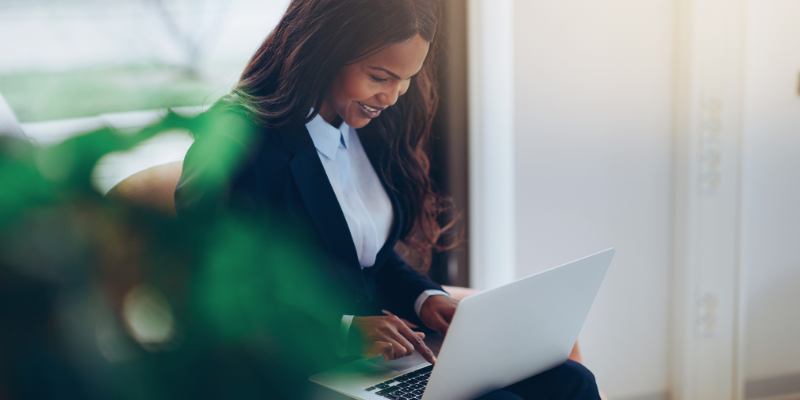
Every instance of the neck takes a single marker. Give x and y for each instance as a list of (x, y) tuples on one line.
[(329, 115)]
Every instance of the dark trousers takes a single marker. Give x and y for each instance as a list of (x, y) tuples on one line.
[(568, 381)]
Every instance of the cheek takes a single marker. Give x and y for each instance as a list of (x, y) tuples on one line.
[(354, 87), (404, 87)]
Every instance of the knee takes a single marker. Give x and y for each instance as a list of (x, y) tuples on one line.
[(577, 370), (581, 379), (499, 395), (568, 381)]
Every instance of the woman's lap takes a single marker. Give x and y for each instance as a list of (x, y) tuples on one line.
[(568, 381)]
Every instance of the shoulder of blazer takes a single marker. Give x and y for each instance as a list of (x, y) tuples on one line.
[(259, 145), (295, 138)]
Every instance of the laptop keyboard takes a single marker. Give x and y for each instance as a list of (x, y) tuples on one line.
[(404, 387)]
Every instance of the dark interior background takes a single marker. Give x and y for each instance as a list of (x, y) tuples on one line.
[(449, 148)]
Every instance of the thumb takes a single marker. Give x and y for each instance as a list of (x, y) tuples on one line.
[(441, 325), (448, 315)]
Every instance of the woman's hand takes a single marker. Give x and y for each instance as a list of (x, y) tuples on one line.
[(387, 336), (437, 312)]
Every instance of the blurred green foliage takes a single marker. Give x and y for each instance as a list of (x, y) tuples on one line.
[(43, 96), (104, 299)]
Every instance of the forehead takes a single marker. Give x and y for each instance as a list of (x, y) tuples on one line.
[(404, 59)]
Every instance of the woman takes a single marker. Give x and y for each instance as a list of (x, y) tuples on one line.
[(339, 100)]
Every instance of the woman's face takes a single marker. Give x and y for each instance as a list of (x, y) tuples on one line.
[(362, 90)]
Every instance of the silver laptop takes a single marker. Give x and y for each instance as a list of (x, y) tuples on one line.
[(497, 338)]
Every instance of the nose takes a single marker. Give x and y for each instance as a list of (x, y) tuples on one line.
[(391, 94)]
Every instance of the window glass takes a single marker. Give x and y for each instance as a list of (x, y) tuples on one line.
[(78, 58)]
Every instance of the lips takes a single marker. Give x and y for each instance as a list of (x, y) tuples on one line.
[(370, 111)]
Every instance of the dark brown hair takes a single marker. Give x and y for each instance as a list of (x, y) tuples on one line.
[(294, 68)]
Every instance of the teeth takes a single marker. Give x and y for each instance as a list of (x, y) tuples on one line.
[(368, 108)]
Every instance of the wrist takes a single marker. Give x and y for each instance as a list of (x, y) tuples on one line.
[(424, 296), (344, 333)]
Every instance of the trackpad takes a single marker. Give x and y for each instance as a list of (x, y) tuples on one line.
[(401, 364)]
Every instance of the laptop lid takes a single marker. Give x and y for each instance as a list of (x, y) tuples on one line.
[(510, 333)]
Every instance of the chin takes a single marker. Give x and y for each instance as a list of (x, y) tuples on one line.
[(358, 123)]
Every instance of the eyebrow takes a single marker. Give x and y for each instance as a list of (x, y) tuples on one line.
[(392, 74)]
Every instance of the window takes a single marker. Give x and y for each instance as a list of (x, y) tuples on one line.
[(80, 58)]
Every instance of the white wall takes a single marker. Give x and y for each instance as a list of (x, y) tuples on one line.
[(593, 126), (491, 143), (770, 243)]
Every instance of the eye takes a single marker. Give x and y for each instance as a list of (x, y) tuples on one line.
[(379, 80)]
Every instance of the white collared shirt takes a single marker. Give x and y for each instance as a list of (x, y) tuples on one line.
[(364, 202)]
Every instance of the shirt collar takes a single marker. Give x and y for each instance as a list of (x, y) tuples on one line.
[(327, 138)]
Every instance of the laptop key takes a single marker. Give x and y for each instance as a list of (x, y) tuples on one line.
[(407, 386), (387, 391)]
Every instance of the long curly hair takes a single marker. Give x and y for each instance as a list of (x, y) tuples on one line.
[(293, 70)]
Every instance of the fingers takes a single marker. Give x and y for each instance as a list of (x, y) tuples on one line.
[(409, 324), (401, 319), (400, 350), (448, 314), (388, 352), (440, 324), (419, 344), (392, 338), (437, 312), (402, 340), (379, 348)]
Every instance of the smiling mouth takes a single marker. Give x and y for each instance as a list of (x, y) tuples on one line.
[(369, 110)]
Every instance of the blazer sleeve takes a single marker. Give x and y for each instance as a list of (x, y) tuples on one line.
[(218, 178), (400, 285)]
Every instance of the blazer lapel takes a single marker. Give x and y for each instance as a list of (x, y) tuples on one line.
[(320, 200)]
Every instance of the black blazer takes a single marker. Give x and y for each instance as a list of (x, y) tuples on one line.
[(281, 173)]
